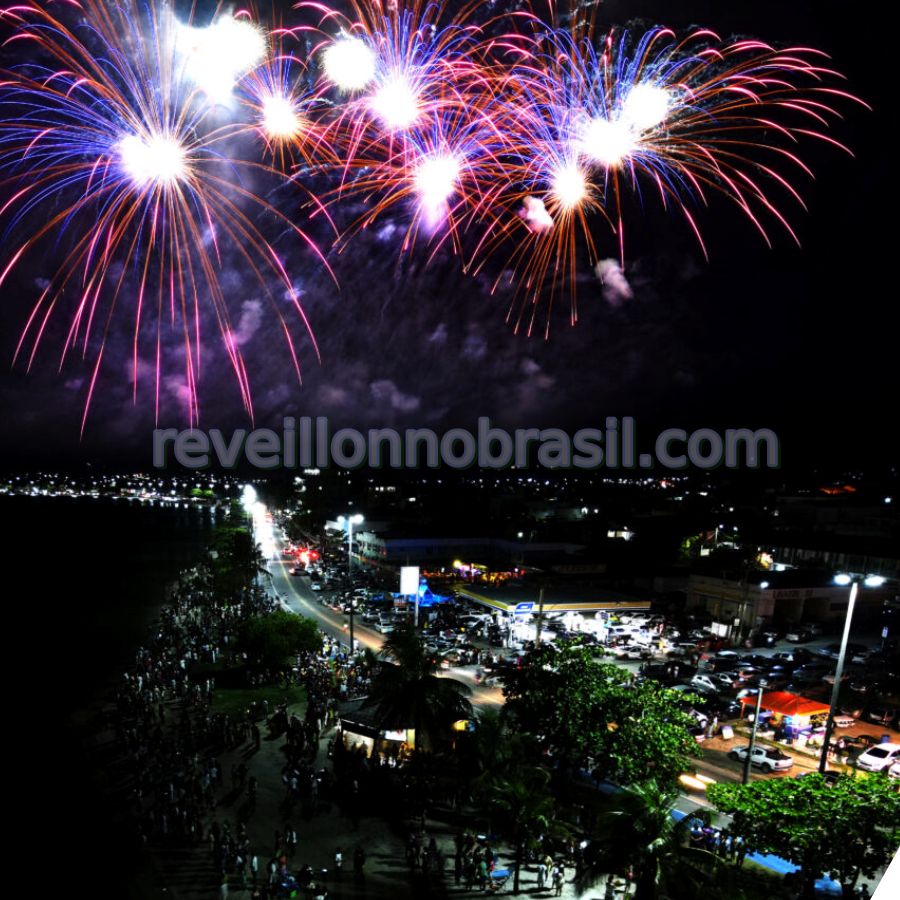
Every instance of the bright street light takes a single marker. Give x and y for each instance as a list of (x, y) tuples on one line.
[(843, 579), (350, 521)]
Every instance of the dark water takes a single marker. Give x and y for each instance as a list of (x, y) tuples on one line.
[(91, 576), (84, 579)]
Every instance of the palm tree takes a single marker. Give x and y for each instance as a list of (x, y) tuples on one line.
[(490, 750), (407, 691), (527, 807), (636, 829)]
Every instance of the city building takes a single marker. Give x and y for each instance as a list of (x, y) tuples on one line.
[(740, 605)]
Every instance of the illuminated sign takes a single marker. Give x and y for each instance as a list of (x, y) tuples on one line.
[(409, 580)]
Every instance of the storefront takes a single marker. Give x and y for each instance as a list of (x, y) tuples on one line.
[(792, 716), (360, 734)]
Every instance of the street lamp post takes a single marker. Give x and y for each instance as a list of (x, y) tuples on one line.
[(350, 521), (871, 581), (352, 611), (746, 776)]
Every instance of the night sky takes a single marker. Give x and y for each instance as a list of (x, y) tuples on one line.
[(800, 340)]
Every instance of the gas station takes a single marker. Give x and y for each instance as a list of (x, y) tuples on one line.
[(522, 600)]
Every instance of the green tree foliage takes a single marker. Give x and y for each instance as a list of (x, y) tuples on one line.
[(636, 830), (271, 640), (523, 805), (489, 751), (297, 525), (590, 713), (508, 783), (234, 559), (851, 827), (407, 691)]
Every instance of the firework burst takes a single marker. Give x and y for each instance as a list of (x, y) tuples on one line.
[(147, 147), (120, 133), (286, 108), (413, 116), (591, 127)]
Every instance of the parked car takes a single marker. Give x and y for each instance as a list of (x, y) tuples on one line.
[(810, 673), (765, 638), (705, 683), (726, 680), (722, 707), (834, 651), (747, 672), (630, 651), (723, 661), (682, 648), (798, 656), (883, 715), (638, 619), (844, 721), (879, 758), (798, 635), (758, 661), (766, 758), (860, 742), (658, 672)]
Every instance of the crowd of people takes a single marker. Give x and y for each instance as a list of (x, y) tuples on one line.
[(171, 739), (185, 764), (172, 742)]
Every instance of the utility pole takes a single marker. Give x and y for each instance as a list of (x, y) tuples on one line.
[(350, 521), (746, 775), (540, 619), (838, 673), (352, 610)]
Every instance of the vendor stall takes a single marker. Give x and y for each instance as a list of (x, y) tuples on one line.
[(793, 717)]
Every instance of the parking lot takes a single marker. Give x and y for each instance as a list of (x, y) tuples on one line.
[(474, 642)]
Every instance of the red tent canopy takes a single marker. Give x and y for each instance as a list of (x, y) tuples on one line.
[(783, 703)]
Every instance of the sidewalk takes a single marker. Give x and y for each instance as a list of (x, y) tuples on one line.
[(190, 873)]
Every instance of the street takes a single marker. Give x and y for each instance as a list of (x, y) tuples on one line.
[(295, 591)]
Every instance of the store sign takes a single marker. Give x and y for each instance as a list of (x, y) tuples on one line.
[(409, 580), (522, 608)]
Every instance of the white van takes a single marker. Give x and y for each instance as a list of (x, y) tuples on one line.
[(623, 630)]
